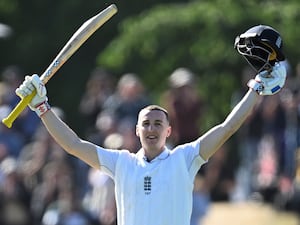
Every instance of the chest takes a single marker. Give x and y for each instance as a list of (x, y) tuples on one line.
[(157, 178)]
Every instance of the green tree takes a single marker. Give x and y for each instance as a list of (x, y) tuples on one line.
[(40, 30), (148, 37), (199, 35)]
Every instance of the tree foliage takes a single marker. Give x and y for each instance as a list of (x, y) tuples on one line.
[(148, 37), (198, 35), (41, 28)]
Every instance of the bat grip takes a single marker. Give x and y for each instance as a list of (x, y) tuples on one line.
[(8, 121)]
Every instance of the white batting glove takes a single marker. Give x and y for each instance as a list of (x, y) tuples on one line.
[(39, 103), (266, 83)]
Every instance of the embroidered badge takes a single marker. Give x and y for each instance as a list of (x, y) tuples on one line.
[(147, 185)]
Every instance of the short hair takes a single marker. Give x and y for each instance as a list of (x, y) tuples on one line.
[(158, 108)]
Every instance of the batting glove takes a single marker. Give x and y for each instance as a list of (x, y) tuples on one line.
[(39, 103), (269, 83)]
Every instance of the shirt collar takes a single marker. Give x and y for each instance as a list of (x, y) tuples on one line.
[(163, 155)]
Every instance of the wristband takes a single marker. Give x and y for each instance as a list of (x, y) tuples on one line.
[(42, 108), (255, 86)]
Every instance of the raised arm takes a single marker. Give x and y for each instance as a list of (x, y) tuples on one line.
[(263, 84), (212, 140), (261, 46), (69, 140), (63, 135)]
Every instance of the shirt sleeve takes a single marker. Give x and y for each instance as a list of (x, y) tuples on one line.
[(192, 157), (108, 159)]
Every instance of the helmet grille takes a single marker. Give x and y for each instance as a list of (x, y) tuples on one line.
[(258, 54)]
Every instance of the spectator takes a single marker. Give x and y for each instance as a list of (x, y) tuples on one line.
[(14, 198), (27, 122), (129, 98), (185, 106), (100, 200), (99, 87)]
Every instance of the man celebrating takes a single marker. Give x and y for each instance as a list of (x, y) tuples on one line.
[(154, 186)]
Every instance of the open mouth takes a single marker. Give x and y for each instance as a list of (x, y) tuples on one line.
[(151, 137)]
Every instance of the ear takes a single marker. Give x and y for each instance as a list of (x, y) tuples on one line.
[(169, 131), (137, 133)]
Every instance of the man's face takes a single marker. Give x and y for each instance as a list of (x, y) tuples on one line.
[(153, 129)]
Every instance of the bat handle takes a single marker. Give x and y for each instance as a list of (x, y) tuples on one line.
[(8, 121)]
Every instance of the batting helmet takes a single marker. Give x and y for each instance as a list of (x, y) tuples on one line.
[(261, 46)]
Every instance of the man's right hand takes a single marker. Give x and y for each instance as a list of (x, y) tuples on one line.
[(39, 102)]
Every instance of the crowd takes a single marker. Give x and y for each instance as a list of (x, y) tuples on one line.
[(40, 184)]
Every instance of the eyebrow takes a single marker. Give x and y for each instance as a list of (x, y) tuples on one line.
[(157, 120)]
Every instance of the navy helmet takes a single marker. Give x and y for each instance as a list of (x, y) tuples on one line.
[(261, 46)]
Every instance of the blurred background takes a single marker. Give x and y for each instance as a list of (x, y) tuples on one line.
[(176, 53)]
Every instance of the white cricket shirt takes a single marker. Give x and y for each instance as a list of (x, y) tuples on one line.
[(157, 192)]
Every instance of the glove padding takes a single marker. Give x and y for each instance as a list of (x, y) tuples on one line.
[(266, 83), (30, 84)]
